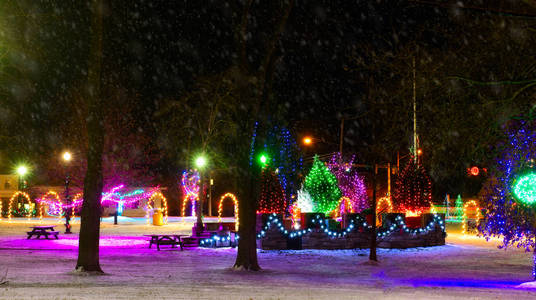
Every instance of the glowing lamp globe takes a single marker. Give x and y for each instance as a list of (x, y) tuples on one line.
[(307, 141), (67, 156), (22, 170), (524, 188), (200, 162)]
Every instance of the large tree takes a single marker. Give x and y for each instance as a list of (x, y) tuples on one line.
[(88, 249)]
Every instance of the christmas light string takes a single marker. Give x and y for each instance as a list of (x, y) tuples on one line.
[(356, 223)]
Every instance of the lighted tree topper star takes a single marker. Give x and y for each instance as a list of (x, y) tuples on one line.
[(525, 189)]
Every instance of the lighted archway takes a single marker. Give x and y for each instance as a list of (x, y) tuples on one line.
[(192, 199), (235, 202), (13, 197), (163, 204), (384, 201), (464, 219), (53, 201), (346, 206), (76, 202)]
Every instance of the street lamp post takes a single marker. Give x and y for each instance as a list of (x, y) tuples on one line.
[(200, 164), (21, 171), (67, 158)]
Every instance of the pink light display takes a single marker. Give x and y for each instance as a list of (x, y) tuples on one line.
[(114, 196), (350, 183), (190, 190)]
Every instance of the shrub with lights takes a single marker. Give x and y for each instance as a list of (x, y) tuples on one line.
[(322, 185), (350, 183), (413, 189), (510, 196), (272, 195)]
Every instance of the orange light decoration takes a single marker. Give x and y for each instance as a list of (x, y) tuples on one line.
[(13, 197), (433, 209), (413, 213), (464, 219), (346, 206), (295, 211), (473, 171), (307, 141), (235, 204), (419, 151), (387, 201), (163, 204)]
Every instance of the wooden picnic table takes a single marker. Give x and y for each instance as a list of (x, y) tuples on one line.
[(46, 231), (166, 239)]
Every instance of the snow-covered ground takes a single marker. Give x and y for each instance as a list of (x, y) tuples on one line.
[(467, 267)]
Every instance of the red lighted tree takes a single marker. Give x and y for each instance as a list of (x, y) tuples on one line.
[(272, 195), (413, 188)]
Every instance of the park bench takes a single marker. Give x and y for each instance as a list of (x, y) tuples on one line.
[(45, 231), (165, 239)]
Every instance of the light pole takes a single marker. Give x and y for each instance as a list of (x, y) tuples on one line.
[(200, 164), (66, 156), (22, 170)]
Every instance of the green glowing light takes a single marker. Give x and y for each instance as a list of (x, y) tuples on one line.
[(263, 159), (525, 188)]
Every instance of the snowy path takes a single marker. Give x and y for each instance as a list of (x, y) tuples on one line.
[(464, 268)]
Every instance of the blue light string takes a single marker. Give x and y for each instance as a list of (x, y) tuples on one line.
[(356, 223)]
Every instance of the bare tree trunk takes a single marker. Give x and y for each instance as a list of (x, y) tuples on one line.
[(88, 249), (372, 254), (246, 257)]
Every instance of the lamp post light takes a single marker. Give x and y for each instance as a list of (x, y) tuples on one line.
[(22, 170), (200, 164), (66, 156)]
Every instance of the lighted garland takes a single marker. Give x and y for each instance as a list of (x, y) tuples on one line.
[(478, 216), (350, 183), (356, 223), (13, 197), (413, 189), (272, 195), (235, 205), (322, 186)]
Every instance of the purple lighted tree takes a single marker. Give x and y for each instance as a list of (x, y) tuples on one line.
[(509, 193), (350, 183)]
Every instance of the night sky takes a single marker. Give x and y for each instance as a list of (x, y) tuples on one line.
[(335, 59)]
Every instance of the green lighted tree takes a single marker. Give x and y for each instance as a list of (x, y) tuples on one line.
[(459, 207), (322, 186)]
